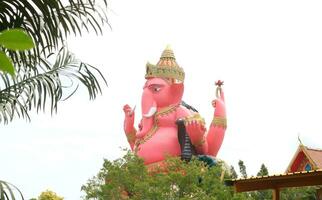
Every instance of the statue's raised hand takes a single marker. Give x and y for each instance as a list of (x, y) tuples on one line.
[(129, 118), (196, 131)]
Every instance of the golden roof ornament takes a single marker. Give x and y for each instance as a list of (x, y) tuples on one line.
[(167, 67)]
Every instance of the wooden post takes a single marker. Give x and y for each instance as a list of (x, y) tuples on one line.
[(319, 193), (276, 194)]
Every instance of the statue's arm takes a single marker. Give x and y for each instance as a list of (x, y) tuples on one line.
[(218, 125), (129, 129)]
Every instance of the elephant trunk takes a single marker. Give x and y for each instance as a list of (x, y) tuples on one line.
[(149, 108)]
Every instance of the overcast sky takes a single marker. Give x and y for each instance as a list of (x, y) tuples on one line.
[(267, 52)]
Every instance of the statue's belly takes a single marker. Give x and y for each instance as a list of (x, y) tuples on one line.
[(162, 144)]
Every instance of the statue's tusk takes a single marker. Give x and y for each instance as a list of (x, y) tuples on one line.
[(151, 112)]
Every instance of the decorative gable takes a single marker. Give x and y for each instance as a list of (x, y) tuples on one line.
[(305, 159)]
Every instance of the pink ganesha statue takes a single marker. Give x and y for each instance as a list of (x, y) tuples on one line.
[(169, 126)]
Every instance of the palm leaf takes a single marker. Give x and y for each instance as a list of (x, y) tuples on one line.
[(45, 87), (8, 191), (50, 22), (38, 83)]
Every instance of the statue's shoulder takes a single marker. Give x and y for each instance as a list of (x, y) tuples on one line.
[(184, 110)]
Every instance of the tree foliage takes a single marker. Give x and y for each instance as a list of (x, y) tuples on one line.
[(305, 193), (42, 76), (128, 178), (49, 195), (233, 172), (263, 194), (47, 73), (49, 23), (13, 39), (263, 171), (242, 169)]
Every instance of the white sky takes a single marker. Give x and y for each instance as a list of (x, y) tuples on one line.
[(267, 52)]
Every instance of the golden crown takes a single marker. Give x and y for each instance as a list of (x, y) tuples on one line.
[(167, 67)]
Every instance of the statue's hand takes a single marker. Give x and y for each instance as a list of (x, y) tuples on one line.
[(220, 108), (196, 132), (213, 103), (129, 118)]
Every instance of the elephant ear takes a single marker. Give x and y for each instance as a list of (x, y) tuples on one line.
[(177, 92)]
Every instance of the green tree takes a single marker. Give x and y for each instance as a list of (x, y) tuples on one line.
[(302, 193), (128, 177), (49, 195), (263, 171), (264, 194), (233, 172), (242, 169), (47, 73)]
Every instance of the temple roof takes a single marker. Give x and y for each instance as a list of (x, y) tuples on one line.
[(314, 156), (296, 179)]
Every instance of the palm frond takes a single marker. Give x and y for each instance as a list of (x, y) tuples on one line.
[(50, 22), (9, 191), (38, 83), (46, 85)]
